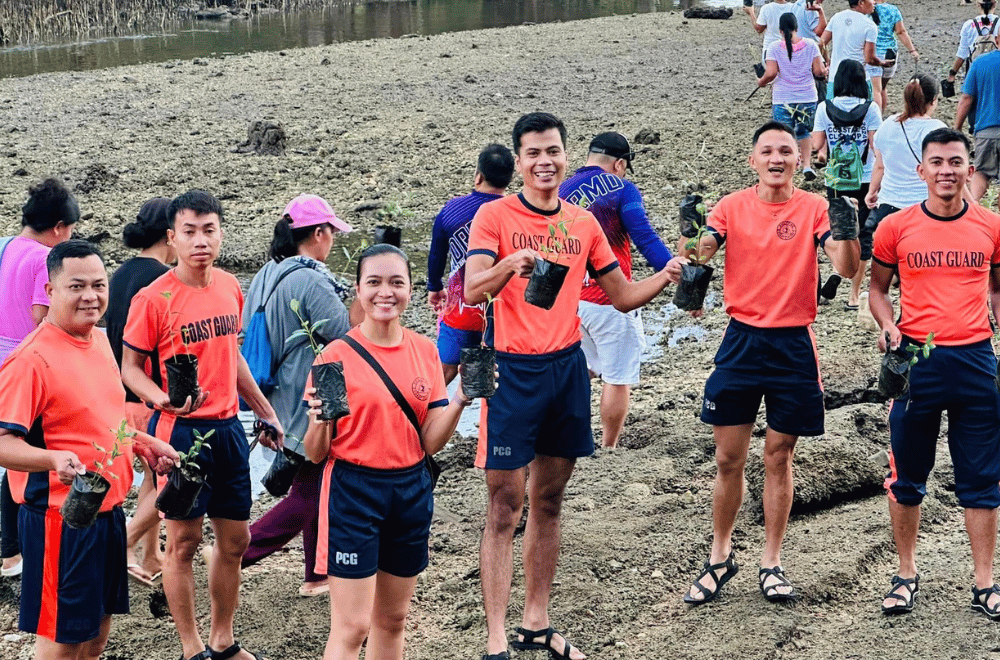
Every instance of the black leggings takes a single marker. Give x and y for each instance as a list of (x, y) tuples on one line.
[(9, 543)]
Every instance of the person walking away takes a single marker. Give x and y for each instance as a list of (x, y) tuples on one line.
[(844, 129), (891, 31), (981, 92), (303, 238), (895, 183), (52, 430), (195, 308), (377, 496), (460, 325), (47, 219), (793, 64), (853, 36), (613, 341), (950, 299), (811, 18), (148, 233), (767, 23), (978, 36)]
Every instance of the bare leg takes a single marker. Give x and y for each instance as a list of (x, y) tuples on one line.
[(93, 649), (503, 511), (392, 601), (144, 527), (877, 95), (614, 410), (805, 153), (905, 524), (183, 539), (547, 481), (351, 604), (731, 446), (450, 371), (981, 525), (46, 649), (856, 281), (778, 491), (231, 540)]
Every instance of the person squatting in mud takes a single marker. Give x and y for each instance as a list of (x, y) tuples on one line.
[(768, 350)]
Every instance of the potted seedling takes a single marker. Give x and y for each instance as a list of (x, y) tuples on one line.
[(387, 233), (185, 480), (87, 492), (479, 363), (548, 276), (695, 275), (894, 374), (284, 467), (182, 367), (328, 378)]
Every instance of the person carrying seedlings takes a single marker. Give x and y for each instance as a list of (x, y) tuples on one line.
[(540, 414), (979, 35), (194, 310), (461, 325), (891, 31), (981, 92), (52, 430), (768, 349), (946, 253), (844, 130), (147, 233), (853, 34), (47, 219), (613, 341), (303, 238), (377, 494), (792, 64)]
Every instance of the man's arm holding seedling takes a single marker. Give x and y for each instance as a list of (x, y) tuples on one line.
[(135, 378), (880, 304), (18, 455), (247, 388), (159, 455), (485, 275)]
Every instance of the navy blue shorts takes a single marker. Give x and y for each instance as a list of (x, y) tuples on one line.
[(72, 578), (777, 365), (542, 406), (225, 462), (961, 380), (375, 520), (451, 341)]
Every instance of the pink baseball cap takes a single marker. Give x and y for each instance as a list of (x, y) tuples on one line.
[(310, 210)]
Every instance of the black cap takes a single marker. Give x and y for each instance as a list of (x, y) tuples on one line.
[(615, 145)]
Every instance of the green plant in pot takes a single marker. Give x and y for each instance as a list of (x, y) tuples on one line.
[(695, 275), (182, 366), (894, 372), (328, 379), (87, 492), (479, 363), (185, 480), (548, 275)]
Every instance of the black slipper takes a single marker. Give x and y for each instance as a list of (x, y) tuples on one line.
[(771, 593), (231, 651), (981, 598), (524, 645), (905, 600), (732, 568)]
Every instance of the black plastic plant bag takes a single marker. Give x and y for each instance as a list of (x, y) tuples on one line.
[(280, 475), (84, 500), (182, 378), (691, 291), (478, 370), (894, 373), (388, 234), (545, 283), (331, 389), (690, 217), (181, 491)]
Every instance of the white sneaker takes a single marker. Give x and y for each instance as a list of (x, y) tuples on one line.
[(13, 571)]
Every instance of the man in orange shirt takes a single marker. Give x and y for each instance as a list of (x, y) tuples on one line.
[(768, 350), (52, 429), (947, 255), (540, 414), (196, 308)]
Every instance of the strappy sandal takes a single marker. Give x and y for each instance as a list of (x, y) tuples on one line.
[(231, 651), (771, 593), (524, 645), (204, 655), (732, 568), (905, 600), (502, 655), (981, 599)]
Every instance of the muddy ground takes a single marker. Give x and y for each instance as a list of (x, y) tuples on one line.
[(401, 122)]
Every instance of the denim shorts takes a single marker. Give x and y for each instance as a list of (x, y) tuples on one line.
[(799, 116)]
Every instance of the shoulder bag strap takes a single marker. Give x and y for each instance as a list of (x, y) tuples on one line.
[(906, 138), (274, 288), (432, 465)]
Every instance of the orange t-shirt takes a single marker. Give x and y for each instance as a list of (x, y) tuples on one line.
[(377, 433), (507, 225), (771, 276), (944, 271), (206, 320), (64, 393)]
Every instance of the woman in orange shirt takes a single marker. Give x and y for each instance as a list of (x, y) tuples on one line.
[(377, 500)]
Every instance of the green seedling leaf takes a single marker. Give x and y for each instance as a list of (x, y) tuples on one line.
[(319, 324), (296, 335), (552, 231), (294, 304)]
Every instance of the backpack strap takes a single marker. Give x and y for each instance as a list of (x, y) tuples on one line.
[(906, 138), (843, 118), (274, 288)]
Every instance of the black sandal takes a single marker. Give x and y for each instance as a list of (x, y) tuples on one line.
[(524, 645), (231, 651), (981, 599), (204, 655), (771, 593), (907, 600), (502, 655), (732, 568)]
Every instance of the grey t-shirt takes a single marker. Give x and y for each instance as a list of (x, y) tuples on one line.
[(313, 286)]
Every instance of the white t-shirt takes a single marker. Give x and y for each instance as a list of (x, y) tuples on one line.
[(901, 185), (873, 119), (851, 30), (769, 15), (970, 32)]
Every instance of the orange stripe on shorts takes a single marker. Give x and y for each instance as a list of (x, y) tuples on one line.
[(49, 612), (323, 533)]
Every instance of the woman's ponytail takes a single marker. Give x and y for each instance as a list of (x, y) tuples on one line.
[(787, 25)]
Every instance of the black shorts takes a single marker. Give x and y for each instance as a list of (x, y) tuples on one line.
[(374, 520), (865, 234), (777, 365)]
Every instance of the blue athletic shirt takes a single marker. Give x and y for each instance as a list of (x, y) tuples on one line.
[(617, 205), (983, 83)]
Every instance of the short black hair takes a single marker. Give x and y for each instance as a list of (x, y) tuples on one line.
[(536, 122), (199, 201), (496, 164), (945, 136), (850, 80), (853, 3), (49, 203), (71, 249), (383, 248), (772, 126)]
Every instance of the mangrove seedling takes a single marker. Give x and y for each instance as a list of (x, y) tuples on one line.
[(123, 438), (189, 457), (308, 328)]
